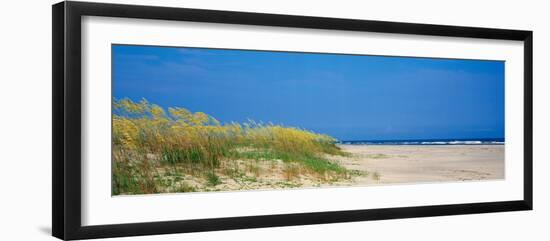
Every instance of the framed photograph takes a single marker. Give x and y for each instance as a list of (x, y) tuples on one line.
[(169, 120)]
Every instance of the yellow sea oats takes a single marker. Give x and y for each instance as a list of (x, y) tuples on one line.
[(142, 131), (125, 132), (181, 115), (200, 118), (157, 112)]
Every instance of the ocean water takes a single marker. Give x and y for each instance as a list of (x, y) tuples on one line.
[(482, 141)]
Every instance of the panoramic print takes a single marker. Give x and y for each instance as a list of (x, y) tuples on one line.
[(203, 120)]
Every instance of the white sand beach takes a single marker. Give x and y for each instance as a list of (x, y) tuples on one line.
[(419, 164), (378, 165)]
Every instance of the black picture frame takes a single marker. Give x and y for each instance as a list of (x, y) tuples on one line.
[(66, 167)]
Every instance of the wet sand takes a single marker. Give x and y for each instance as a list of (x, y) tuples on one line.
[(387, 164)]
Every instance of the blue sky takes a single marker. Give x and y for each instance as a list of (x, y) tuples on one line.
[(349, 97)]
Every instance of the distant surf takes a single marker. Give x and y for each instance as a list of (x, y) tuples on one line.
[(483, 141)]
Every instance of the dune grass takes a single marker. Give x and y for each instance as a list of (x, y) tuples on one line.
[(147, 138)]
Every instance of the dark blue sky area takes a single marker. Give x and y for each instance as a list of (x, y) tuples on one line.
[(347, 97)]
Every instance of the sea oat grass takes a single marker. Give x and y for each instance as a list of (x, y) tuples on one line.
[(146, 138)]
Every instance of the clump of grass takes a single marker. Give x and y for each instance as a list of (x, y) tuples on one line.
[(253, 167), (314, 163), (249, 179), (288, 184), (132, 177), (184, 187), (124, 180), (213, 179), (291, 171), (198, 144)]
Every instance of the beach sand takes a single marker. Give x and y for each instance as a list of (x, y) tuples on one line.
[(376, 165), (387, 164)]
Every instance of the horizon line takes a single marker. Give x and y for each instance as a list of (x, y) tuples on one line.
[(427, 139)]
